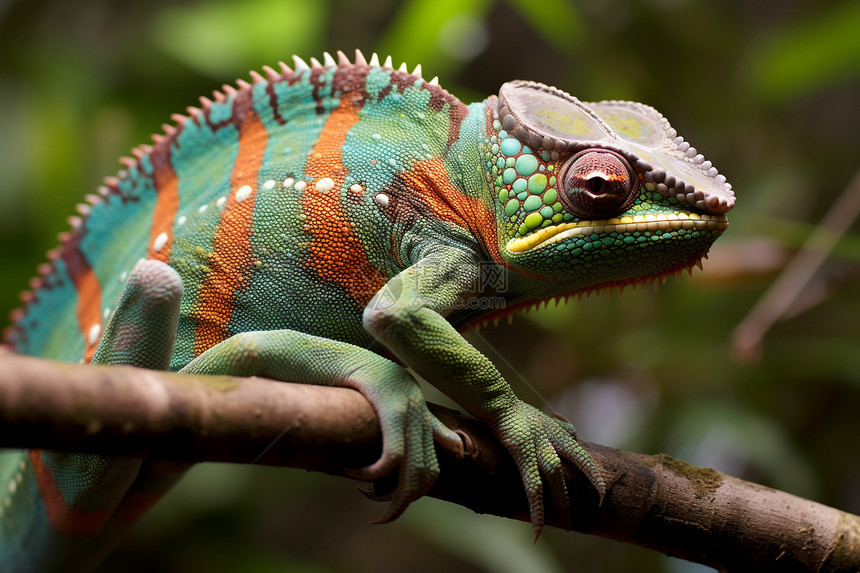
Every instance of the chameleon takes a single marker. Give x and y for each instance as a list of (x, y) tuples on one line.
[(341, 223)]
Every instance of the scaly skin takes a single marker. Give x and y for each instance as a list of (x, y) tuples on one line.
[(56, 514), (322, 217)]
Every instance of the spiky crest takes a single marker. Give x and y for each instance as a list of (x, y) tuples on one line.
[(655, 280)]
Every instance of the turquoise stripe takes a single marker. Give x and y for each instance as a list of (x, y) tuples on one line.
[(27, 541), (51, 322), (394, 133), (117, 235)]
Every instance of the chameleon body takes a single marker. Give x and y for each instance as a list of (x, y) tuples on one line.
[(323, 218)]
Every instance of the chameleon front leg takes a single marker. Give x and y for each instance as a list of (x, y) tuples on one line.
[(408, 427), (58, 518), (407, 316)]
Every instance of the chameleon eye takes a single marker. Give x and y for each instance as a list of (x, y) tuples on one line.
[(597, 183)]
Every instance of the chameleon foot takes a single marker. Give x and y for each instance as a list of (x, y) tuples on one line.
[(537, 442), (409, 432)]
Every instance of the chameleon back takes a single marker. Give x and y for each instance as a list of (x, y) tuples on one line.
[(280, 203)]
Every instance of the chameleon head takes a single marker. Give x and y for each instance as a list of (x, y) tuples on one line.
[(598, 193)]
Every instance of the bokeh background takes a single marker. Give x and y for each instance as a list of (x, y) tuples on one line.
[(769, 90)]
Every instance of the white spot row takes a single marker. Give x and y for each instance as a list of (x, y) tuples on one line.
[(245, 191), (16, 480)]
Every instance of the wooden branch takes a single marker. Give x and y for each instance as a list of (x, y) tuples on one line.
[(693, 513)]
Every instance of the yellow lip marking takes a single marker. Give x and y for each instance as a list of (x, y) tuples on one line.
[(662, 222)]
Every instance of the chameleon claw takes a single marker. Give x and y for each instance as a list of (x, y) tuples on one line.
[(373, 495), (399, 489), (374, 471)]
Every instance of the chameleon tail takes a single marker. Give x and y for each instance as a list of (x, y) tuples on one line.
[(65, 511)]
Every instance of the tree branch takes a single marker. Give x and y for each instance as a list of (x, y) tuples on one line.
[(693, 513)]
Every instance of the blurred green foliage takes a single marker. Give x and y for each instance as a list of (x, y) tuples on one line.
[(769, 90), (219, 38), (809, 55)]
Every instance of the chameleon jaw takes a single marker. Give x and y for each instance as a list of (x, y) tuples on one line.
[(662, 222)]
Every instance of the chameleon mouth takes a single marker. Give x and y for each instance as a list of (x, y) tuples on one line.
[(641, 223)]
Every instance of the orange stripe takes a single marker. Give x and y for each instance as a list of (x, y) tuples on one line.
[(231, 258), (431, 179), (166, 207), (89, 291), (89, 310), (336, 254), (63, 518)]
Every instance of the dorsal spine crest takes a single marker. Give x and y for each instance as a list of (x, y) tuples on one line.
[(215, 111)]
